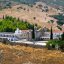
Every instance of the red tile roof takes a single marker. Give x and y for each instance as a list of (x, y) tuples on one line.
[(57, 31)]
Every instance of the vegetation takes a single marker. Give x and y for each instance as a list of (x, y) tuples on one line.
[(62, 36), (9, 24), (51, 31), (52, 43), (58, 3), (51, 34), (59, 27), (58, 44), (60, 19)]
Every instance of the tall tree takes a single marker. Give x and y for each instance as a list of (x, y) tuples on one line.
[(3, 16), (62, 36), (51, 30), (51, 34)]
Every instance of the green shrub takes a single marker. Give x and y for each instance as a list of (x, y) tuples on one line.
[(52, 43), (62, 46), (62, 36)]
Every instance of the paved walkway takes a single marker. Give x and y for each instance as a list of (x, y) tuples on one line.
[(38, 43)]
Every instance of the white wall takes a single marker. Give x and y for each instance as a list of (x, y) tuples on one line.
[(55, 35)]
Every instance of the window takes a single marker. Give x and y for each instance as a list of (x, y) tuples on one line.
[(11, 39)]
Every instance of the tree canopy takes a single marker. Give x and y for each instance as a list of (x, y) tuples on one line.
[(9, 24)]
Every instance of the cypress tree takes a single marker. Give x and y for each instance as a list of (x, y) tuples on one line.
[(51, 34), (3, 16), (33, 33), (62, 36)]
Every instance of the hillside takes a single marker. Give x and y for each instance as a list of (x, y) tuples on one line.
[(29, 55), (38, 13), (9, 3), (55, 3), (33, 14)]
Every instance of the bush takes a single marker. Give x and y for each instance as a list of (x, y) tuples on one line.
[(53, 43), (62, 46), (62, 36)]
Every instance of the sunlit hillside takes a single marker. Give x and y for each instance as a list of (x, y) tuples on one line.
[(33, 14)]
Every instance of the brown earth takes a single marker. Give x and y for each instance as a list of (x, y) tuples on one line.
[(29, 55)]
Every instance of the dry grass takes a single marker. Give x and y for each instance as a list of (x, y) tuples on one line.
[(29, 55)]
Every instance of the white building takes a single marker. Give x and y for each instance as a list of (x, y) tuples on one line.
[(24, 34), (38, 33), (56, 35), (45, 34), (18, 35)]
